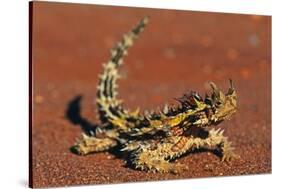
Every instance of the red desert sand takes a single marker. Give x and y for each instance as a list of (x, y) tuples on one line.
[(177, 52)]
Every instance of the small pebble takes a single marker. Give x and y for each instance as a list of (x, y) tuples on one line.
[(232, 54), (245, 73), (208, 167), (38, 99), (254, 40)]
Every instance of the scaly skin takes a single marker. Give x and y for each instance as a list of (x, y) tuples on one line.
[(155, 138)]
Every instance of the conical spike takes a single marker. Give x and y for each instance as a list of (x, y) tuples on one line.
[(77, 140), (166, 109), (221, 132), (231, 88), (214, 87), (146, 113), (92, 133), (98, 130), (84, 136), (231, 84)]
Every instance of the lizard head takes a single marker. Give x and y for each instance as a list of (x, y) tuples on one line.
[(212, 110), (223, 105)]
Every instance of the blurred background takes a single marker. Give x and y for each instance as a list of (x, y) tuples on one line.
[(178, 51)]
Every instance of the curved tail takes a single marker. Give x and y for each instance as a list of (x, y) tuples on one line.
[(109, 107)]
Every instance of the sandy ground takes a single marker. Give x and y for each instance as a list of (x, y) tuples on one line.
[(178, 51)]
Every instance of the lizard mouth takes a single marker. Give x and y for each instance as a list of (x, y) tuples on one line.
[(226, 116)]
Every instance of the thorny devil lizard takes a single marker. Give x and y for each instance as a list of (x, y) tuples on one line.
[(153, 139)]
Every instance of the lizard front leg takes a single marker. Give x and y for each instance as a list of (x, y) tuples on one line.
[(217, 140)]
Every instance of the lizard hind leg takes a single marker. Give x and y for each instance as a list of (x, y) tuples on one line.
[(146, 161), (155, 157), (90, 144)]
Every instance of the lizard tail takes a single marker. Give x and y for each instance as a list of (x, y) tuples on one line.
[(109, 107)]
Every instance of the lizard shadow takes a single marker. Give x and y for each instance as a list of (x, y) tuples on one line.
[(73, 114)]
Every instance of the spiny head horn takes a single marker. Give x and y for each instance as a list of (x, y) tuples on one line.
[(218, 97), (225, 105), (214, 88), (231, 89)]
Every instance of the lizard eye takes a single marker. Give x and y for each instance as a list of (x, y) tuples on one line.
[(219, 103)]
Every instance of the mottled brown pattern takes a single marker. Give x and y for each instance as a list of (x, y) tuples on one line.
[(180, 144)]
